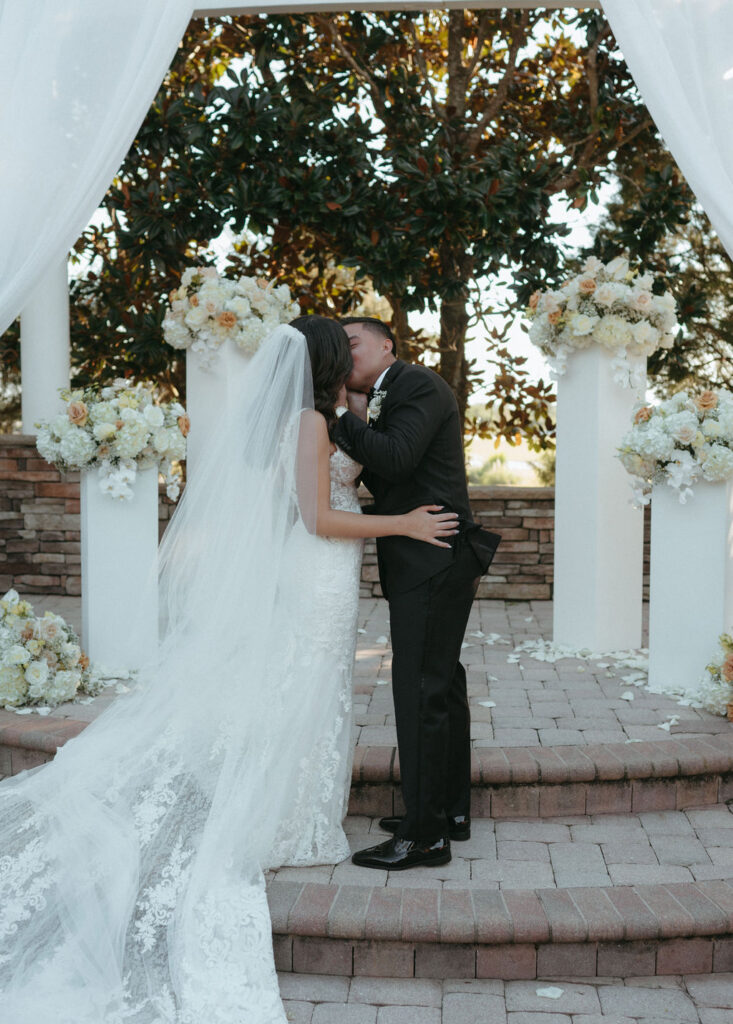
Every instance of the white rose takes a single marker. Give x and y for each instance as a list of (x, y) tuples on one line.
[(36, 675), (17, 655), (618, 269), (196, 317), (642, 301), (581, 324), (645, 334), (592, 266), (104, 431), (682, 426), (154, 416), (550, 302)]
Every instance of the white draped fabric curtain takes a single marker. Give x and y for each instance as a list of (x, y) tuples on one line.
[(76, 80), (680, 53)]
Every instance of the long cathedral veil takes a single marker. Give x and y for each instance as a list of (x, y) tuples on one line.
[(131, 886)]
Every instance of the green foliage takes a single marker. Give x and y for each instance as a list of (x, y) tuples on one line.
[(494, 472), (412, 153)]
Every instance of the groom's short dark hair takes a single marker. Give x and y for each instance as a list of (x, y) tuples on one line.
[(378, 326)]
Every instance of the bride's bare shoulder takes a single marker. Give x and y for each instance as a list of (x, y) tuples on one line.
[(313, 427)]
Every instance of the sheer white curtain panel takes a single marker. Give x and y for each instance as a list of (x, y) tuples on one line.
[(680, 53), (76, 80)]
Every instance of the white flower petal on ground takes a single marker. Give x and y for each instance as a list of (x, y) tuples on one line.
[(552, 992), (381, 640), (627, 696), (382, 682), (487, 703)]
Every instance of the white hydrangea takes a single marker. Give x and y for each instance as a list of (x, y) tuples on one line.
[(77, 448), (63, 687), (718, 463), (13, 687)]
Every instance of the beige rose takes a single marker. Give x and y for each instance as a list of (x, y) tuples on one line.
[(27, 633), (587, 286), (84, 662), (78, 414), (184, 424), (227, 319), (533, 300), (643, 414), (706, 401), (103, 451), (727, 668), (119, 424), (194, 300), (554, 318), (51, 660)]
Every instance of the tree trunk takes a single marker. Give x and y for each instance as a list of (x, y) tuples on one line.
[(453, 366)]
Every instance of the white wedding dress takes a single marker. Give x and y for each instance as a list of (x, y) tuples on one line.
[(131, 867)]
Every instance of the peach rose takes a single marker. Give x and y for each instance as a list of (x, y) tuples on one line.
[(78, 414), (119, 424), (227, 319), (27, 633), (103, 451), (184, 424), (533, 300), (727, 668), (554, 318), (643, 414), (587, 286), (194, 300), (84, 662), (706, 401), (51, 660)]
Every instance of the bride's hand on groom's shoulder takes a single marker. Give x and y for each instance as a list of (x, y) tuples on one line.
[(430, 523)]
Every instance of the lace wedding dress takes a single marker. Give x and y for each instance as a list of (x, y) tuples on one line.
[(131, 867)]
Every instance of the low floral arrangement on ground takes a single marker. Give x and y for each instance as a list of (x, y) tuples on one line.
[(609, 304), (208, 310), (683, 439), (117, 429), (41, 660), (716, 687)]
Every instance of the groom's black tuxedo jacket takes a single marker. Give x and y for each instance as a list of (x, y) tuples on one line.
[(412, 455)]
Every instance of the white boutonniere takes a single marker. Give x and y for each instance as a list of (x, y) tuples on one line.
[(375, 405)]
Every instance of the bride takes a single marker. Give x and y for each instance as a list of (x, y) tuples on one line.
[(131, 867)]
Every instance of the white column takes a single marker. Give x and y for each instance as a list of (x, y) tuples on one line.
[(691, 582), (598, 535), (119, 546), (44, 348), (208, 390)]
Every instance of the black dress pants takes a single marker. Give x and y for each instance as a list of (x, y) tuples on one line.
[(428, 624)]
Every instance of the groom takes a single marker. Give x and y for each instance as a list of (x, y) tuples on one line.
[(404, 427)]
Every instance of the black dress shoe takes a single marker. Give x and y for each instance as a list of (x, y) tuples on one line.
[(459, 829), (398, 854)]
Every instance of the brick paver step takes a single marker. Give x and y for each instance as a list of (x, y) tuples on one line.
[(591, 896)]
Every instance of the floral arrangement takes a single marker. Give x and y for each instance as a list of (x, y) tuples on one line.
[(609, 304), (208, 310), (117, 429), (684, 439), (716, 686), (41, 660)]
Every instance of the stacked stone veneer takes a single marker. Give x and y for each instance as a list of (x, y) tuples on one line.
[(40, 545)]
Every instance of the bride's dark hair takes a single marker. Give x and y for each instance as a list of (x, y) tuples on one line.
[(331, 363)]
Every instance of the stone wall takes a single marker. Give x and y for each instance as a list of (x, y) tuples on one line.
[(40, 545)]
